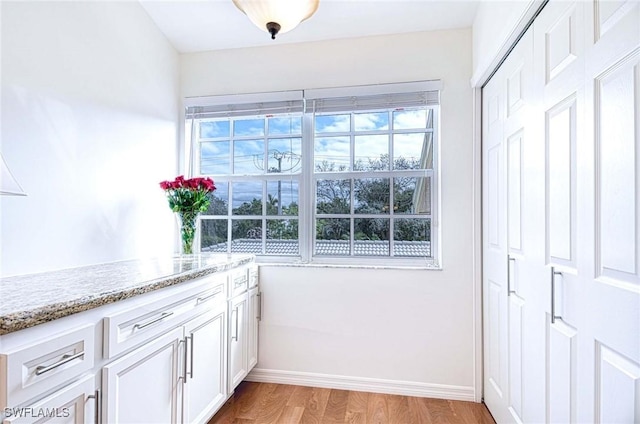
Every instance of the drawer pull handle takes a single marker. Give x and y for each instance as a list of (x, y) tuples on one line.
[(235, 337), (239, 281), (259, 295), (96, 398), (204, 299), (153, 321), (184, 364), (191, 355), (41, 369)]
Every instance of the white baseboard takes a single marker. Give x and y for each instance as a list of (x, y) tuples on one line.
[(362, 384)]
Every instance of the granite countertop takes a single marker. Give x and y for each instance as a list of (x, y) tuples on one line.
[(29, 300)]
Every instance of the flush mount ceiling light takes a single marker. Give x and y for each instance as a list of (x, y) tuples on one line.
[(277, 16)]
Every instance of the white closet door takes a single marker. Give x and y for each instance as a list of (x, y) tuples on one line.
[(587, 74), (608, 218), (525, 219), (514, 171), (559, 80), (494, 277), (506, 102), (561, 200)]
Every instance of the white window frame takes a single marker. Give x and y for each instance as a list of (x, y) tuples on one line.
[(307, 177), (390, 174), (237, 177)]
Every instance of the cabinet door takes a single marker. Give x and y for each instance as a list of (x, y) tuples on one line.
[(205, 388), (255, 310), (237, 340), (74, 404), (144, 386)]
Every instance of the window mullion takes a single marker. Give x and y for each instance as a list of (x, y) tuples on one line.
[(352, 225), (391, 182), (306, 208), (230, 214)]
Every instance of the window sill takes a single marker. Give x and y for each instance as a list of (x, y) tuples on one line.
[(422, 267)]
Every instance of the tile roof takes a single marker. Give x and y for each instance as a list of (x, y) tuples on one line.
[(326, 247)]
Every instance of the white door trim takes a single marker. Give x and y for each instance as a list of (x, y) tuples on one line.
[(483, 73)]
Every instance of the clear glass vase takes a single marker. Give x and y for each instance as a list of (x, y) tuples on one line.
[(187, 220)]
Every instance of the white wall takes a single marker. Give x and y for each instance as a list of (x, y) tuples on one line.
[(494, 22), (89, 127), (407, 329)]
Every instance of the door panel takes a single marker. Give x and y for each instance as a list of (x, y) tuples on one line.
[(617, 162), (514, 191), (617, 387), (561, 48), (562, 377), (561, 182), (516, 381), (150, 371), (205, 388), (497, 338), (493, 188)]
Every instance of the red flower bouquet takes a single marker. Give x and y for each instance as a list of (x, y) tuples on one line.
[(188, 197)]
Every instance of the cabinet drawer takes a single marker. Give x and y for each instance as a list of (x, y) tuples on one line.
[(144, 321), (253, 276), (238, 281), (39, 367), (71, 404)]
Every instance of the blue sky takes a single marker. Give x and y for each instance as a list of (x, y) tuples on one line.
[(248, 154)]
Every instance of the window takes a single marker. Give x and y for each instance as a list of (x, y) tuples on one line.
[(331, 178)]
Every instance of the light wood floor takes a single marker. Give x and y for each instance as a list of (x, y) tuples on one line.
[(277, 403)]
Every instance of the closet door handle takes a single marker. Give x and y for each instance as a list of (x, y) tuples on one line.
[(553, 295), (509, 259)]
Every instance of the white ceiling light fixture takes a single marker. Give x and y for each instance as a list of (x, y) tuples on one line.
[(277, 16)]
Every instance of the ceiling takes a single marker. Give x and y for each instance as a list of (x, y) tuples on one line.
[(202, 25)]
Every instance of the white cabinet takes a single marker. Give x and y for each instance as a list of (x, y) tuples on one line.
[(244, 315), (238, 340), (180, 375), (205, 385), (75, 404), (170, 356), (143, 386), (45, 364)]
